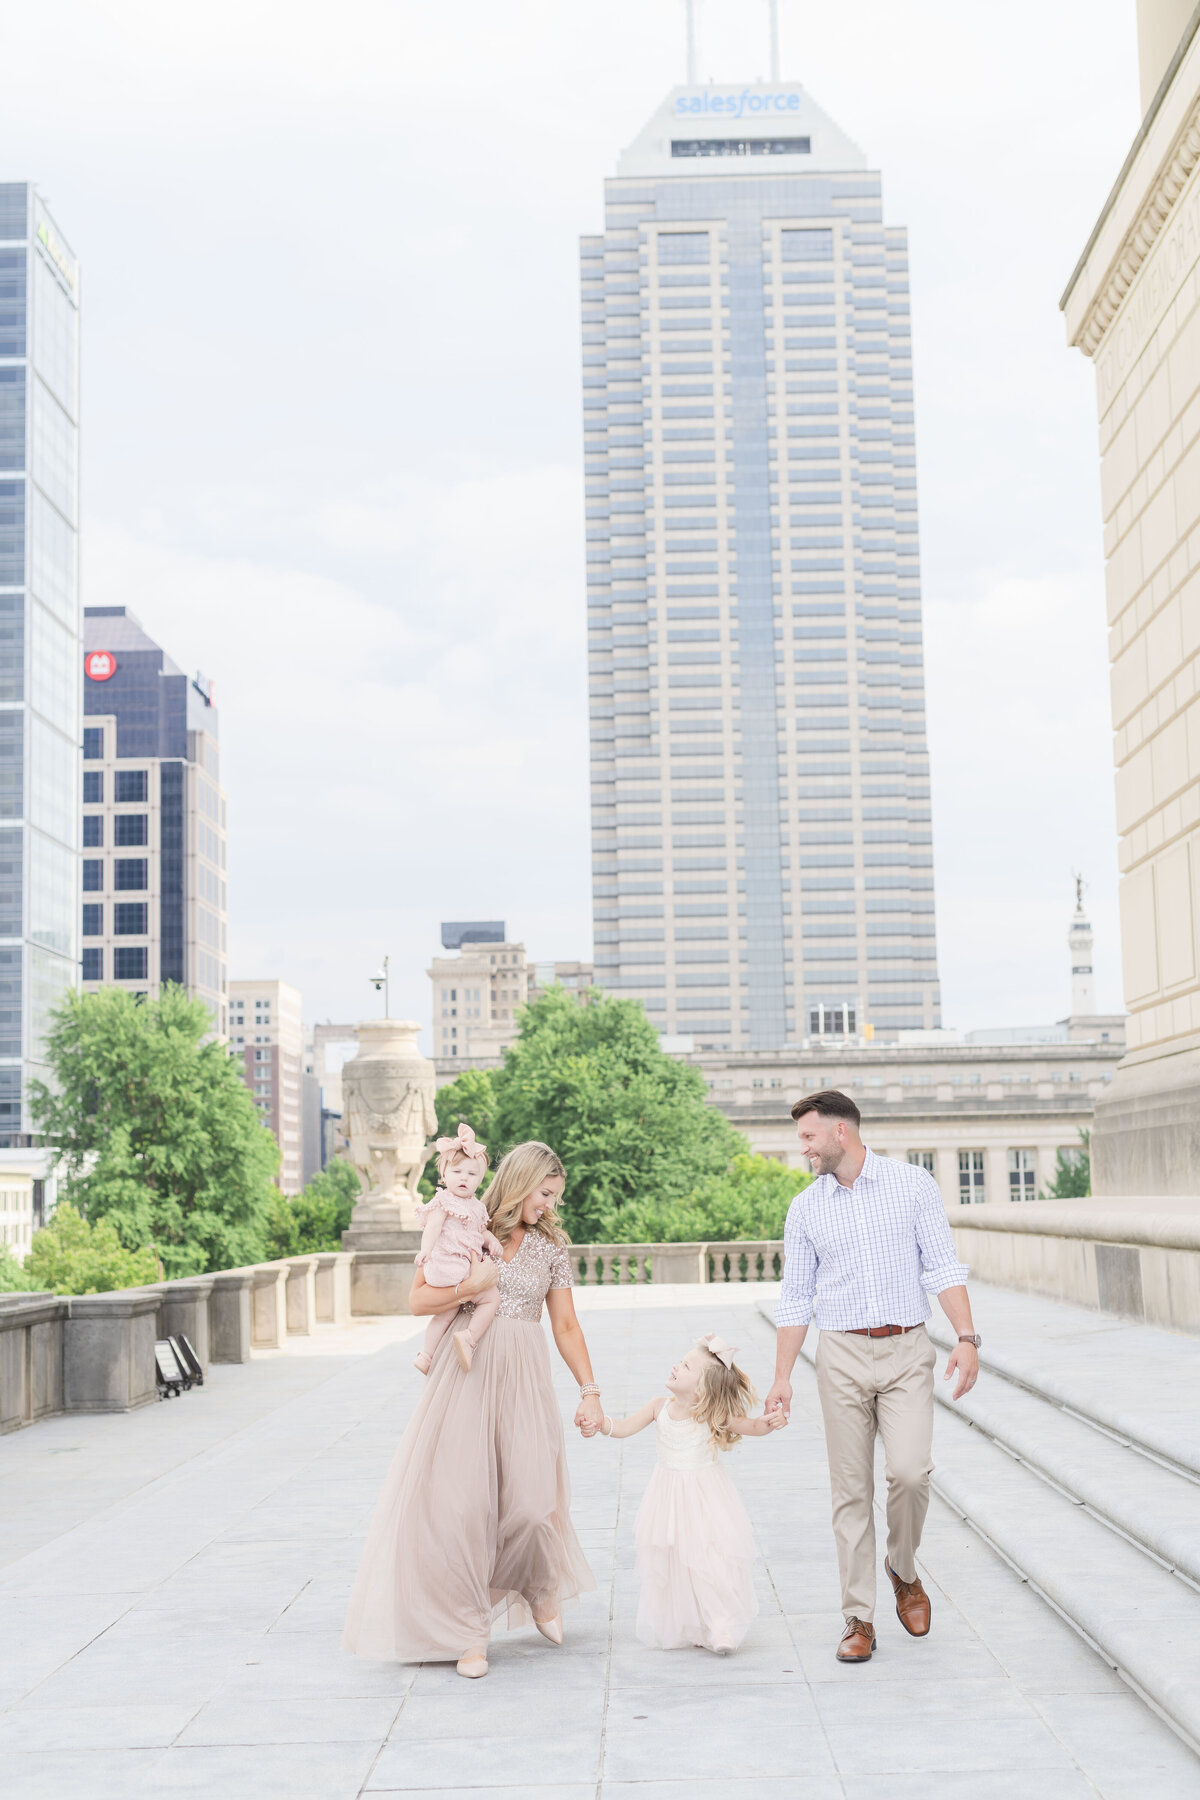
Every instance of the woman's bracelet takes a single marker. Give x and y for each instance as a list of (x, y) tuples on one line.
[(588, 1388), (606, 1421)]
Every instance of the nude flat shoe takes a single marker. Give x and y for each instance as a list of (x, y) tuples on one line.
[(551, 1628), (472, 1666), (463, 1351)]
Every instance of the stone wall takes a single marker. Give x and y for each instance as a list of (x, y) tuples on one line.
[(1140, 1264)]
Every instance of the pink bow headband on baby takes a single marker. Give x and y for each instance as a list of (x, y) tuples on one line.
[(717, 1347), (465, 1141)]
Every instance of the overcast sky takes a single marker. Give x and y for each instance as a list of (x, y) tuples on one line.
[(332, 449)]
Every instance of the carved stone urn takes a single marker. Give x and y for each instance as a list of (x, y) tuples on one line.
[(388, 1117)]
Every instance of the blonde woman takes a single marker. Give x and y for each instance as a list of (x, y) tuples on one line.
[(474, 1518)]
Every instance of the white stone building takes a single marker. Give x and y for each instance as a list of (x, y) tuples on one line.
[(1133, 306), (986, 1121)]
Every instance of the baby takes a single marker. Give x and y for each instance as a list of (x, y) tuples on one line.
[(454, 1236)]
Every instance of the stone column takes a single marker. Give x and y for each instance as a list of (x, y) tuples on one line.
[(185, 1309), (388, 1117), (229, 1316), (108, 1350)]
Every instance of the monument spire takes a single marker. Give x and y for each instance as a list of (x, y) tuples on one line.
[(1079, 941)]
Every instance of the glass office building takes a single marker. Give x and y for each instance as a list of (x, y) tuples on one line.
[(155, 896), (762, 853), (39, 638)]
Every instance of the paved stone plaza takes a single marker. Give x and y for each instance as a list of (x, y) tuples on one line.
[(174, 1582)]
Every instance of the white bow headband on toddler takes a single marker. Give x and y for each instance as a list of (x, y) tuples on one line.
[(717, 1347)]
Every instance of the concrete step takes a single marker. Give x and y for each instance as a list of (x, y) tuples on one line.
[(1135, 1383), (1140, 1618), (1106, 1528)]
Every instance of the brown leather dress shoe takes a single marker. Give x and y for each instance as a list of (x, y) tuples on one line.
[(912, 1602), (858, 1641)]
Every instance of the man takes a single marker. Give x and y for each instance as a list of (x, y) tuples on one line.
[(864, 1247)]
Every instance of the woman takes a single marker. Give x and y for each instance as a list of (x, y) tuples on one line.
[(475, 1512)]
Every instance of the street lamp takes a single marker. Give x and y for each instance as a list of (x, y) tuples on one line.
[(381, 979)]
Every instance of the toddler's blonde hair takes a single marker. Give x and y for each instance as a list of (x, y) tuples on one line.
[(723, 1394), (524, 1168)]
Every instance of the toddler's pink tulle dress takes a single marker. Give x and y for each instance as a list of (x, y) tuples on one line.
[(695, 1546)]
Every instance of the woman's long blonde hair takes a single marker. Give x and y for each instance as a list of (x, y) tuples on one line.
[(723, 1394), (524, 1168)]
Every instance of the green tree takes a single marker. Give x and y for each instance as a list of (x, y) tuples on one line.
[(13, 1278), (749, 1200), (155, 1128), (628, 1121), (72, 1256), (315, 1219), (1072, 1172)]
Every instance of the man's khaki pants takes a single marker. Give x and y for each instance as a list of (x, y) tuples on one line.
[(870, 1385)]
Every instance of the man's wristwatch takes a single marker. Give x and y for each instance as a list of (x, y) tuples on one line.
[(970, 1337)]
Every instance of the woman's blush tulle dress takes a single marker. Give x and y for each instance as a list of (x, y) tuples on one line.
[(695, 1546), (475, 1514)]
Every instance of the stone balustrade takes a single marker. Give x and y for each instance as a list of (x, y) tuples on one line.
[(622, 1265), (95, 1352)]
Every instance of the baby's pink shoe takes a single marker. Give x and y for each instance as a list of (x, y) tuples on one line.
[(421, 1361), (465, 1351)]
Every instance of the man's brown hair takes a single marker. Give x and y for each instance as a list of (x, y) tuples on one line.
[(830, 1104)]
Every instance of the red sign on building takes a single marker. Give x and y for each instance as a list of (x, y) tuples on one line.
[(99, 665)]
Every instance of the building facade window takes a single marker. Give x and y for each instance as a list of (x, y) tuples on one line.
[(132, 787), (93, 743), (129, 918), (93, 875), (1021, 1175), (93, 787), (93, 831), (923, 1159), (130, 962), (131, 828), (93, 921), (93, 964), (130, 873), (971, 1190)]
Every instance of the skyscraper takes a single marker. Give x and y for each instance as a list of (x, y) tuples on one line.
[(155, 899), (39, 638), (762, 853)]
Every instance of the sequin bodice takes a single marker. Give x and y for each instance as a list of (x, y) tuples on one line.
[(537, 1267)]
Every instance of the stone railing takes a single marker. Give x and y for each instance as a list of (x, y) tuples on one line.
[(623, 1265), (1134, 1259), (95, 1352)]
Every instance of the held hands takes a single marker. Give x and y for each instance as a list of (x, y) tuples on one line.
[(590, 1415), (779, 1400), (775, 1421), (964, 1362)]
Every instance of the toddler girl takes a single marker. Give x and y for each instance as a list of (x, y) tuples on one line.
[(456, 1235), (695, 1548)]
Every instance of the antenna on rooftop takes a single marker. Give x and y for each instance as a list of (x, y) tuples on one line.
[(773, 6), (690, 11)]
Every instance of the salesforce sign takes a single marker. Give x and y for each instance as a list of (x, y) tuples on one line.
[(751, 101)]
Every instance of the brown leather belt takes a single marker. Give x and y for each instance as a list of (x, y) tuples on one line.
[(881, 1330)]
